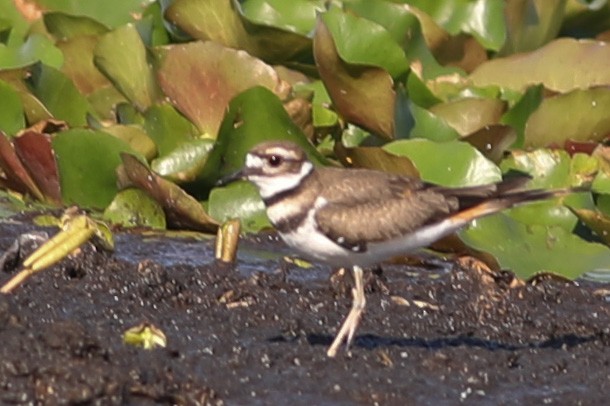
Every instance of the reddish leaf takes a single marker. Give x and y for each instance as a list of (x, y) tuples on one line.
[(35, 152), (17, 177), (363, 95), (181, 209)]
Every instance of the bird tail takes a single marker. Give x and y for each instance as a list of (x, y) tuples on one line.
[(508, 197)]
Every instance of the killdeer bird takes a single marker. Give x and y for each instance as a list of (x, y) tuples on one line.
[(358, 217)]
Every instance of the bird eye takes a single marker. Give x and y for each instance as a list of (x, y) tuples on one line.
[(275, 160)]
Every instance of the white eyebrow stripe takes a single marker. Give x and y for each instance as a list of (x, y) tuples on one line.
[(254, 161)]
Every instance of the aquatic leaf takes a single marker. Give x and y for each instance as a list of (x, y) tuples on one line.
[(322, 114), (167, 128), (216, 21), (424, 42), (87, 162), (563, 65), (223, 23), (492, 141), (35, 151), (254, 116), (552, 168), (181, 210), (521, 111), (111, 13), (452, 163), (361, 94), (376, 158), (66, 26), (359, 41), (121, 56), (12, 118), (79, 67), (135, 137), (296, 15), (17, 176), (483, 19), (200, 78), (579, 115), (239, 200), (530, 249), (59, 95), (430, 126), (185, 162), (469, 114), (36, 48), (597, 221), (135, 208)]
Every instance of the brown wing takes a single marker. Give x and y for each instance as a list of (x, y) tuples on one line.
[(389, 206), (392, 205)]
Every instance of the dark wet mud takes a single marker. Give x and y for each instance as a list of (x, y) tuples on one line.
[(256, 333)]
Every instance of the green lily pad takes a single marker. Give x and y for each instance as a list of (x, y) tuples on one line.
[(254, 116), (521, 111), (551, 168), (168, 128), (223, 23), (185, 162), (64, 26), (216, 21), (531, 26), (322, 114), (469, 115), (376, 158), (181, 210), (79, 67), (135, 208), (111, 13), (359, 41), (530, 249), (563, 65), (135, 137), (59, 95), (200, 78), (239, 200), (87, 162), (483, 19), (121, 56), (579, 115), (12, 118), (296, 15), (430, 126), (36, 48), (363, 95), (452, 163)]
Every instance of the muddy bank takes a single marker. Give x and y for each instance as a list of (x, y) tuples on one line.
[(256, 334)]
